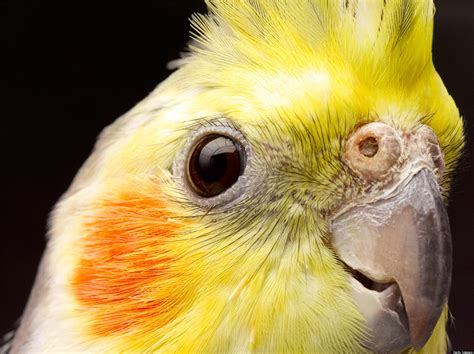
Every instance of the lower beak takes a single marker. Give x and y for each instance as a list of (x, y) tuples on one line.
[(403, 239)]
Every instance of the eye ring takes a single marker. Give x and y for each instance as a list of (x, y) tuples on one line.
[(213, 166)]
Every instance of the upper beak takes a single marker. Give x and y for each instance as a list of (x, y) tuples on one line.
[(403, 239)]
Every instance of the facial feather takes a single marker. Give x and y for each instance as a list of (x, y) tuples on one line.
[(124, 268)]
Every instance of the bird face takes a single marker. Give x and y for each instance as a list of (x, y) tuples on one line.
[(384, 215), (372, 195), (275, 217), (283, 191)]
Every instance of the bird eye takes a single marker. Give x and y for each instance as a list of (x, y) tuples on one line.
[(214, 167), (372, 150), (215, 164)]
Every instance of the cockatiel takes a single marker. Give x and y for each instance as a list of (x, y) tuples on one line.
[(282, 191)]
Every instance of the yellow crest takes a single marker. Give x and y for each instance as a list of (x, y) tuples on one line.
[(382, 41)]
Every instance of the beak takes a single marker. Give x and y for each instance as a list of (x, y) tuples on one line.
[(404, 239)]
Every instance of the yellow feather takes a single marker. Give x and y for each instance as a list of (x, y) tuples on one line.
[(285, 71), (296, 76)]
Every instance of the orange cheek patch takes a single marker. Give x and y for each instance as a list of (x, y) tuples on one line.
[(126, 279)]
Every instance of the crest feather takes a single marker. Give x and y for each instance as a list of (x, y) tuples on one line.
[(380, 39)]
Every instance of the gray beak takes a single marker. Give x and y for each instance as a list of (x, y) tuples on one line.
[(403, 239)]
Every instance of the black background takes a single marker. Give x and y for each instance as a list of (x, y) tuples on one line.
[(72, 67)]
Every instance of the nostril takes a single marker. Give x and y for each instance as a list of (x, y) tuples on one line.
[(369, 147), (372, 150)]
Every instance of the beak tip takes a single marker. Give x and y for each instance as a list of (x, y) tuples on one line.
[(419, 343), (418, 347), (422, 326)]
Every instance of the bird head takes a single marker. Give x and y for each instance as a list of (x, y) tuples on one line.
[(283, 190)]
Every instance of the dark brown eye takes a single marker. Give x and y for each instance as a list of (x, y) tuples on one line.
[(215, 164)]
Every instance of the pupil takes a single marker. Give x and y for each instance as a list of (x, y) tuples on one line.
[(215, 165), (213, 159)]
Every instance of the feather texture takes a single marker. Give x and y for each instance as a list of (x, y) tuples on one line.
[(134, 265)]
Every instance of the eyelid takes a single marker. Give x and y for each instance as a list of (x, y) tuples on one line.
[(216, 122)]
